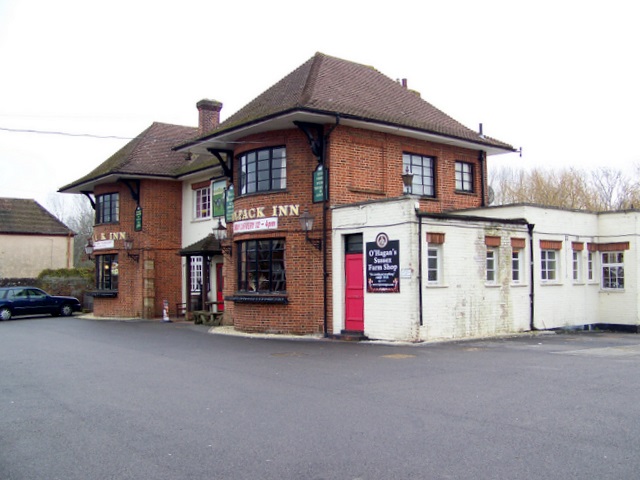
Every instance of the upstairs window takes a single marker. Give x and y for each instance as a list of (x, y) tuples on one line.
[(202, 203), (108, 208), (263, 170), (424, 176), (464, 177)]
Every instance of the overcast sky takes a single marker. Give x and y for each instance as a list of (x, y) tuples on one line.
[(561, 79)]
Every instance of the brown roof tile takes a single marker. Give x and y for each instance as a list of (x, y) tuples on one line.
[(149, 154), (331, 85), (26, 216)]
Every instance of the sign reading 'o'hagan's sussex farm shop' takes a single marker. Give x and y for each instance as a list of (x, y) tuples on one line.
[(383, 265)]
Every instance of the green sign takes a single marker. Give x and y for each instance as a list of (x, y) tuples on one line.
[(218, 198), (318, 185), (229, 204), (138, 219)]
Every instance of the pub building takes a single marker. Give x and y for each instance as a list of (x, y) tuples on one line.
[(237, 216)]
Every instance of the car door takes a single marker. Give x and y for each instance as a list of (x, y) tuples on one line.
[(39, 302), (20, 301)]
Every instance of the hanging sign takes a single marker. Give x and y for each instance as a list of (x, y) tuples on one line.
[(138, 219), (383, 265), (318, 185), (229, 204), (218, 198)]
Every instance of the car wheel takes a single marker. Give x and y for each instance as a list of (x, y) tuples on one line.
[(5, 313), (66, 310)]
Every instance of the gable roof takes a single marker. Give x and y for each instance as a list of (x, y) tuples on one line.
[(332, 86), (150, 155), (26, 216)]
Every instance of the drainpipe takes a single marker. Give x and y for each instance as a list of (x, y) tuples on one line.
[(325, 207), (532, 327), (420, 268), (482, 156)]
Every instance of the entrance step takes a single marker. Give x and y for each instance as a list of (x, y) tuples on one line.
[(350, 336)]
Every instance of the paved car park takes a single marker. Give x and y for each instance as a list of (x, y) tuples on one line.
[(105, 399)]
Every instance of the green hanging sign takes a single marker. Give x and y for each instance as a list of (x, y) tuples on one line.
[(318, 185), (138, 219), (229, 194)]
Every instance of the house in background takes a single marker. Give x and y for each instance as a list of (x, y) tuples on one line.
[(31, 240)]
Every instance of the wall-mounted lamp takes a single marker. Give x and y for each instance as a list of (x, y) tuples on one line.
[(88, 249), (128, 245), (306, 223), (220, 234), (407, 180)]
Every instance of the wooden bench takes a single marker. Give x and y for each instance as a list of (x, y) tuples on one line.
[(205, 317)]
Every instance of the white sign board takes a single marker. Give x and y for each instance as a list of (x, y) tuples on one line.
[(246, 226)]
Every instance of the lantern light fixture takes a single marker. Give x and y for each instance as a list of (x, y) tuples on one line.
[(306, 224)]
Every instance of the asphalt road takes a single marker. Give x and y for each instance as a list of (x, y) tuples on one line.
[(86, 399)]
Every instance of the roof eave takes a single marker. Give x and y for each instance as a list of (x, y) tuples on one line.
[(90, 184), (226, 139)]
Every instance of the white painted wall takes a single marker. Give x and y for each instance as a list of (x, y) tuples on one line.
[(463, 305), (194, 230), (568, 303), (389, 316)]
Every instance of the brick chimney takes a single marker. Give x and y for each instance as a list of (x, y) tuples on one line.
[(209, 115)]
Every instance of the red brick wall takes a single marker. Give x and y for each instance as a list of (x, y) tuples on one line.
[(363, 166), (143, 285), (367, 165)]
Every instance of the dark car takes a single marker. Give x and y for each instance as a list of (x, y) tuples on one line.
[(33, 301)]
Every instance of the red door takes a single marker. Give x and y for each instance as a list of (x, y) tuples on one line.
[(354, 293), (219, 286)]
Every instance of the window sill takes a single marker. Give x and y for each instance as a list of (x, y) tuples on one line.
[(492, 285), (612, 290), (258, 298), (436, 285), (516, 285), (465, 192), (103, 293), (551, 284)]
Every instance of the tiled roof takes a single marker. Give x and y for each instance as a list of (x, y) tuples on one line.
[(331, 85), (206, 245), (150, 154), (26, 216)]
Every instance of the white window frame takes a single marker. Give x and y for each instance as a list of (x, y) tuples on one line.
[(434, 254), (591, 270), (516, 266), (545, 266), (576, 266), (196, 274), (202, 203), (491, 266), (612, 267)]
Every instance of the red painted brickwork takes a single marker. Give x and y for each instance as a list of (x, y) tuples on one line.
[(157, 274), (363, 166)]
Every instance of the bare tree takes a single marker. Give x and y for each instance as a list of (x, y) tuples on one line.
[(602, 189), (75, 212)]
